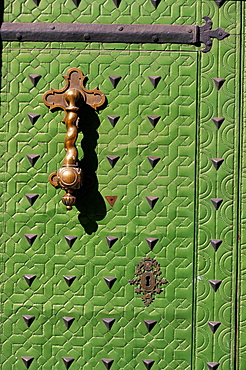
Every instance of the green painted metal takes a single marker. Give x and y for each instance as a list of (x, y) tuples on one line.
[(183, 219)]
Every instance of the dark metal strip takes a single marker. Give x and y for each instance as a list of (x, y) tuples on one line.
[(114, 33)]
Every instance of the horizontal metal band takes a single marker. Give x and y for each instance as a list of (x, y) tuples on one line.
[(113, 33)]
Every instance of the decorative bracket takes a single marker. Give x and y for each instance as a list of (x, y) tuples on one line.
[(148, 282), (114, 33), (72, 98), (207, 34)]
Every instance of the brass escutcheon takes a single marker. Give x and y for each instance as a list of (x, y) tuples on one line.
[(71, 99)]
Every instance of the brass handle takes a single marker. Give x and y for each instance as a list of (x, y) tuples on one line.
[(71, 99)]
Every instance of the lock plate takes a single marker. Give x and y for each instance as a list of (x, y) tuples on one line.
[(148, 281)]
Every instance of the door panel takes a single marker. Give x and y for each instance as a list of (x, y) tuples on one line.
[(184, 180), (131, 219)]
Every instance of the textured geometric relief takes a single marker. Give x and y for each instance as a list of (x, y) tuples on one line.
[(110, 281), (219, 3), (154, 80), (34, 78), (151, 242), (113, 120), (111, 199), (27, 361), (214, 325), (218, 121), (150, 324), (219, 82), (152, 201), (68, 321), (28, 319), (154, 119), (212, 365), (108, 362), (71, 273), (70, 239), (31, 198), (68, 361), (32, 158), (148, 363), (33, 117), (115, 80)]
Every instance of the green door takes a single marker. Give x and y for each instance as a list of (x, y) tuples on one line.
[(161, 164)]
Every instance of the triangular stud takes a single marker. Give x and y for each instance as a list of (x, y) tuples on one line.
[(76, 2), (115, 80), (36, 2), (152, 201), (111, 240), (117, 3), (219, 3), (34, 79), (30, 238), (27, 361), (70, 239), (109, 323), (219, 82), (110, 281), (216, 243), (154, 80), (151, 242), (68, 321), (213, 365), (29, 279), (150, 324), (68, 361), (216, 202), (107, 362), (215, 284), (155, 3), (217, 162), (69, 279), (218, 121), (28, 319), (33, 117), (31, 198), (112, 159), (32, 158), (113, 119), (153, 120), (148, 364), (111, 199), (153, 161), (214, 325)]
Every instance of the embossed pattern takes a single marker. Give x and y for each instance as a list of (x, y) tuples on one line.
[(89, 259), (64, 276), (217, 259), (101, 11)]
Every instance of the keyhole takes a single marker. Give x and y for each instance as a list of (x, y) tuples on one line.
[(147, 280)]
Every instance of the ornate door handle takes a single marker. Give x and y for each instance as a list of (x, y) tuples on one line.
[(72, 98)]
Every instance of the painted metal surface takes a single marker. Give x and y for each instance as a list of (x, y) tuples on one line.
[(156, 153)]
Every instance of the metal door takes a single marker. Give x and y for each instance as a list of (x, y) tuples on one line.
[(162, 184)]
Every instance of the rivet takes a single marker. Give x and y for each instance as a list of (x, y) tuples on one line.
[(52, 28), (87, 36), (19, 36), (120, 28), (220, 33), (155, 38), (190, 31)]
